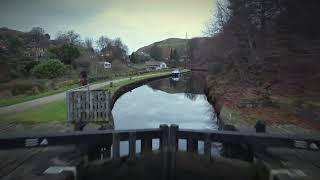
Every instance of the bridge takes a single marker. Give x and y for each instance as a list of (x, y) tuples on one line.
[(92, 144)]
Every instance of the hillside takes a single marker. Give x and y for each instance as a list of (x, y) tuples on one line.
[(271, 72), (164, 47)]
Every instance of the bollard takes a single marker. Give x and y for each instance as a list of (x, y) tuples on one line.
[(260, 126), (173, 146), (132, 146), (164, 149), (116, 147)]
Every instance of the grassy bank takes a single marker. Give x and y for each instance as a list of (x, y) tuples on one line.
[(115, 86), (10, 100), (52, 112), (23, 98), (57, 111)]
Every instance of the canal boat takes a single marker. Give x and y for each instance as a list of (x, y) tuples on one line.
[(176, 73)]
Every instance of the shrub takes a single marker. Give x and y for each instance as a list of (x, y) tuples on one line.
[(18, 87), (49, 69)]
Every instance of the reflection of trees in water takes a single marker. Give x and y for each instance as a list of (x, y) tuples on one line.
[(155, 85), (173, 83), (191, 84), (191, 96), (195, 85), (211, 113)]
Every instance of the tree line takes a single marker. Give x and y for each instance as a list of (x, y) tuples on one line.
[(253, 34), (66, 47)]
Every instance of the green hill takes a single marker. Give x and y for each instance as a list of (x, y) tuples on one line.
[(164, 47)]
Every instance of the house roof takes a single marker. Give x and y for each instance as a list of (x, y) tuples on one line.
[(43, 44), (153, 63), (104, 62)]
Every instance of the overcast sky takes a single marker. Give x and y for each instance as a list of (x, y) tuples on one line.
[(136, 22)]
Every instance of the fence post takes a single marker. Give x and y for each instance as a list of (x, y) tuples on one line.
[(132, 145), (192, 144), (207, 146), (260, 126), (173, 148), (68, 106), (116, 147), (146, 144), (164, 148)]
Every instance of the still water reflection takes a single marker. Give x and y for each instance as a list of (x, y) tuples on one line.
[(178, 101), (166, 101)]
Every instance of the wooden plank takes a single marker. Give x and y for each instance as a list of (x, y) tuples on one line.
[(95, 106), (276, 140), (164, 148), (132, 145), (146, 144), (173, 147), (89, 106), (116, 147), (164, 141), (78, 106), (69, 104), (192, 144), (220, 136), (207, 146)]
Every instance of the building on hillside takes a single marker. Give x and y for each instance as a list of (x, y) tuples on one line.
[(3, 46), (155, 65), (184, 58), (106, 53), (37, 50), (105, 64)]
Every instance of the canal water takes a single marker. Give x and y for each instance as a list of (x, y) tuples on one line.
[(178, 101)]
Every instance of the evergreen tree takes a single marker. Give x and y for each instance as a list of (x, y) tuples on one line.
[(171, 54), (175, 55)]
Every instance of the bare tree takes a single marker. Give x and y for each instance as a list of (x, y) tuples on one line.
[(88, 43), (37, 33), (103, 42), (70, 37), (123, 49), (219, 17)]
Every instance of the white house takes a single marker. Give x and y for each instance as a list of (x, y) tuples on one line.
[(155, 65), (105, 64)]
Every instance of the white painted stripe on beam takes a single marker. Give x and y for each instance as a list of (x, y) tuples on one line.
[(289, 172), (60, 169)]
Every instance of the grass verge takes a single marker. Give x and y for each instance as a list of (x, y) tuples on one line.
[(117, 85), (51, 112), (57, 111), (23, 98)]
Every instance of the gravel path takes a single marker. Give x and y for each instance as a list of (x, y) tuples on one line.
[(60, 96)]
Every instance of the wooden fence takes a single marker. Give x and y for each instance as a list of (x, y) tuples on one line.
[(168, 136), (85, 106)]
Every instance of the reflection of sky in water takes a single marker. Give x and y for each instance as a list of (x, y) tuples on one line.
[(148, 108)]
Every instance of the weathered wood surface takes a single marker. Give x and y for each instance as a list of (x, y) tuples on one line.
[(26, 164), (168, 136), (148, 167), (88, 106), (31, 164), (102, 137)]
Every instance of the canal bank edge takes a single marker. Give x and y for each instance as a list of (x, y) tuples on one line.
[(241, 107), (268, 161), (129, 87)]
